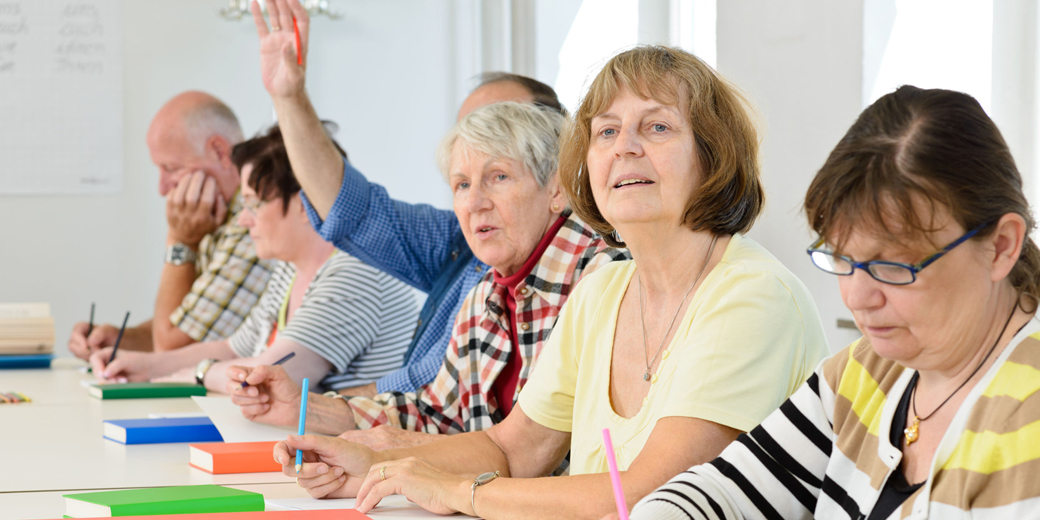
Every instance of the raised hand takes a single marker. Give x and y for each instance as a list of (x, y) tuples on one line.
[(281, 71)]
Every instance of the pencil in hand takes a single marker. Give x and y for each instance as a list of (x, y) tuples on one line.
[(90, 324), (119, 338), (303, 420), (285, 358)]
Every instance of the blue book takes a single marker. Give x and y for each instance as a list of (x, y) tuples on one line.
[(27, 361), (162, 430)]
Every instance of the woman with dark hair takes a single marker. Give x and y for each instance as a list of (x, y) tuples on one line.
[(347, 323), (935, 411), (697, 338)]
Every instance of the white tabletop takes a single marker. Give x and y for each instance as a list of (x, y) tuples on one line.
[(54, 445)]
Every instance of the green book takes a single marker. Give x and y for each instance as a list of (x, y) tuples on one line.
[(162, 501), (145, 390)]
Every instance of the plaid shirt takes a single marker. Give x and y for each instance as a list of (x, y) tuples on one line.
[(230, 279), (460, 398)]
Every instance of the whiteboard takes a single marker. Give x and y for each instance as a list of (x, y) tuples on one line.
[(61, 96)]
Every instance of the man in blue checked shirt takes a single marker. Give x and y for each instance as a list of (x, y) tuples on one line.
[(417, 243)]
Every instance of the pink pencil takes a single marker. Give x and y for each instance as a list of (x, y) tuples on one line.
[(615, 477)]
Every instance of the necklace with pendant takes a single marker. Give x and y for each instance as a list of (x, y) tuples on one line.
[(642, 316), (913, 431)]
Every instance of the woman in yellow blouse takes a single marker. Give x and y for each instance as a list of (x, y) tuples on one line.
[(698, 338)]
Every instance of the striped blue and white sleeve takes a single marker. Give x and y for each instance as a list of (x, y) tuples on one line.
[(775, 471)]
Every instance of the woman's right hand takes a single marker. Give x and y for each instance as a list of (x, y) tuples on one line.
[(332, 468), (272, 397), (282, 74), (82, 346)]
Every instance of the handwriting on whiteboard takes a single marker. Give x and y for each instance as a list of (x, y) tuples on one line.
[(61, 107)]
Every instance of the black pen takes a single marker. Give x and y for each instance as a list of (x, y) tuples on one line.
[(90, 324), (119, 338), (285, 358)]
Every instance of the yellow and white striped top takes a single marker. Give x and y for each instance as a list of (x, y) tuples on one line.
[(826, 452)]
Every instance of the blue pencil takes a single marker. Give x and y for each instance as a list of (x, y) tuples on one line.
[(303, 420)]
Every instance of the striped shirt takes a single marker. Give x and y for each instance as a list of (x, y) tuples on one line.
[(460, 398), (826, 453), (229, 281), (356, 317)]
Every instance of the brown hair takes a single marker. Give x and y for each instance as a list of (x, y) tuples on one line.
[(911, 146), (272, 174), (730, 196)]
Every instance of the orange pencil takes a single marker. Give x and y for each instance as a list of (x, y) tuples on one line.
[(299, 53)]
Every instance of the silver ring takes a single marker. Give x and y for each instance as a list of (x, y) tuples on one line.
[(275, 28), (382, 472)]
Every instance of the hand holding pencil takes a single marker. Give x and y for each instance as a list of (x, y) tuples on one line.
[(283, 46), (272, 397)]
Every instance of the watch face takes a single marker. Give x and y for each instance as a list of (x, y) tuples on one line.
[(179, 254)]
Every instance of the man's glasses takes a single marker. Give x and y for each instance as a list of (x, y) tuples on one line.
[(893, 273)]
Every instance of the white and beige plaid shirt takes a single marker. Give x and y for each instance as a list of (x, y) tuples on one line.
[(230, 279)]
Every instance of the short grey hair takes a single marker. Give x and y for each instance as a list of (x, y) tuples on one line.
[(207, 119), (523, 132)]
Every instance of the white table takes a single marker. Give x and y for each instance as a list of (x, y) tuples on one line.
[(54, 445)]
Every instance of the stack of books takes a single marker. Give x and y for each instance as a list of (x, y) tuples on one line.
[(26, 335)]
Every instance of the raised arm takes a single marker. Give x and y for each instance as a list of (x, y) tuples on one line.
[(409, 241), (316, 162)]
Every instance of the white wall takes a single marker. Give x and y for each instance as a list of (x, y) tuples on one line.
[(800, 62), (385, 73)]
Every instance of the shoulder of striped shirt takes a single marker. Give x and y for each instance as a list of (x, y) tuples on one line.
[(991, 458)]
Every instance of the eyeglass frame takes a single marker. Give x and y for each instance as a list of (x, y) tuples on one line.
[(913, 268), (252, 207)]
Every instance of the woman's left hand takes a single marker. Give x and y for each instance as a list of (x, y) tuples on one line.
[(416, 479)]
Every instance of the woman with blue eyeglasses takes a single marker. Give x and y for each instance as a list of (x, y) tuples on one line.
[(935, 412)]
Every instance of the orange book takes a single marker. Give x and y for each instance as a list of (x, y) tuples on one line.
[(234, 457), (314, 514)]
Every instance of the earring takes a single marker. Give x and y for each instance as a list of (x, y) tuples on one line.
[(617, 237), (556, 207)]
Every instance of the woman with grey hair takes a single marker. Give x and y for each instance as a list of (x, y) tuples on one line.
[(500, 162)]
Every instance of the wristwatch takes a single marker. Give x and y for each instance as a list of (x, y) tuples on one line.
[(179, 254), (479, 481), (201, 369)]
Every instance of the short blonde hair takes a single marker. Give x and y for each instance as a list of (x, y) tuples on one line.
[(730, 196), (523, 132)]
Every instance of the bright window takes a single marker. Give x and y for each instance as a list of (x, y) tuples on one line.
[(929, 44)]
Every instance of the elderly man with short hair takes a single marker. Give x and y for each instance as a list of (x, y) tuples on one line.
[(212, 276)]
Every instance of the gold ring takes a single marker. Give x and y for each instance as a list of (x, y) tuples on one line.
[(275, 28), (382, 472)]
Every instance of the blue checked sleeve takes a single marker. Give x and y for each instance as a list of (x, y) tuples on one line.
[(408, 241), (414, 375)]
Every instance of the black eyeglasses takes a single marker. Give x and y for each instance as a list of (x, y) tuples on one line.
[(893, 273)]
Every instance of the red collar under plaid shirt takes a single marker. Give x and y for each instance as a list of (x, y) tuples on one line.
[(460, 399)]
